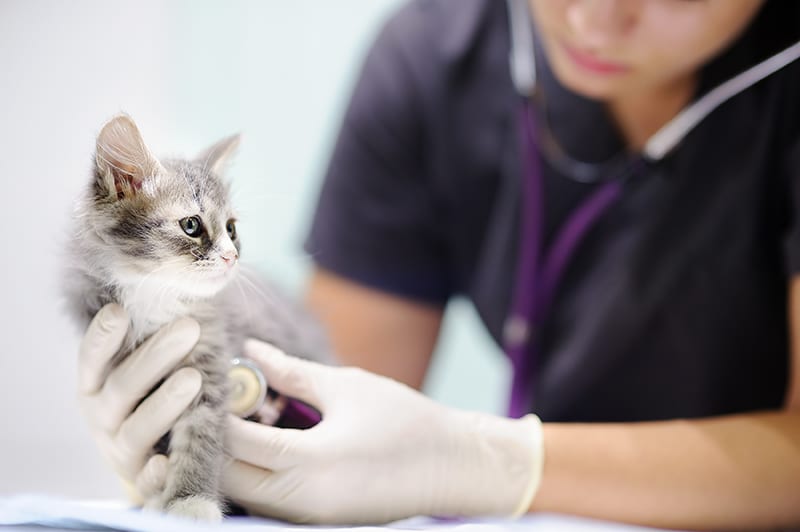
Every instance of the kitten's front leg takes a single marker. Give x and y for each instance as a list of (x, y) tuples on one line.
[(197, 452)]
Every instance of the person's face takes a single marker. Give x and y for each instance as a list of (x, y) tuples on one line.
[(605, 49)]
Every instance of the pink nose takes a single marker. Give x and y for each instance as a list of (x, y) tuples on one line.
[(230, 257)]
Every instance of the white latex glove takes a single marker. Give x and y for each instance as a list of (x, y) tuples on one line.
[(382, 452), (126, 433)]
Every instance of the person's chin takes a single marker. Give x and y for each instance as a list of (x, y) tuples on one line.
[(588, 83), (587, 86)]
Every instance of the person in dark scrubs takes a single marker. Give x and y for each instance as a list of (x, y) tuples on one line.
[(613, 184)]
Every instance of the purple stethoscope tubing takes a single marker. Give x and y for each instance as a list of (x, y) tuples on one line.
[(539, 271)]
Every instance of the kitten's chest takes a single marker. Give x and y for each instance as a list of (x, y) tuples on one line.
[(212, 351), (152, 307)]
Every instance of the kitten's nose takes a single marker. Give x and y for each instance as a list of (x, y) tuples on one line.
[(230, 257)]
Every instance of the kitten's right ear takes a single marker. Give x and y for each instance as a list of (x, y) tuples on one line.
[(215, 157), (122, 161)]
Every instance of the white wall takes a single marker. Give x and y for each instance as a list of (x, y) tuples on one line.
[(188, 72)]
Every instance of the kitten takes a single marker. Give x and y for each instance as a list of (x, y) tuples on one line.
[(159, 238)]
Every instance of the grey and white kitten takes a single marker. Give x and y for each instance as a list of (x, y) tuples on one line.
[(159, 238)]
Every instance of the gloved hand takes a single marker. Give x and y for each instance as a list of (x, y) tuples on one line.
[(126, 433), (381, 452)]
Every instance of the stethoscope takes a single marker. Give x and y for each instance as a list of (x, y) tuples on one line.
[(538, 270), (249, 394)]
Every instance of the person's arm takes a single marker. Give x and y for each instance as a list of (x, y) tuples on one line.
[(374, 330), (739, 471), (735, 472)]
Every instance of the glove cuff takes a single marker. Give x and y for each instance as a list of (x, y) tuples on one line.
[(497, 467), (537, 464)]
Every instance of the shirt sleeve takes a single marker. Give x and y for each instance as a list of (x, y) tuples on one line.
[(376, 220)]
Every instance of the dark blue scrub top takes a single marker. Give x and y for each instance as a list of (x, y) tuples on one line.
[(674, 305)]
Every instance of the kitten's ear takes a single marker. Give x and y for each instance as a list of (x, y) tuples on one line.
[(122, 161), (216, 157)]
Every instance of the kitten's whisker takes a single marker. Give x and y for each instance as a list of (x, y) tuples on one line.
[(259, 288), (237, 281), (273, 302)]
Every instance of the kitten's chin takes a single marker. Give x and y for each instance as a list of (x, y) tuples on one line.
[(183, 285), (206, 285)]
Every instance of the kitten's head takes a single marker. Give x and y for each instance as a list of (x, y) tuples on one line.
[(166, 222)]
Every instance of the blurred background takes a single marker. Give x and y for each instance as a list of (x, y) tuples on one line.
[(189, 72)]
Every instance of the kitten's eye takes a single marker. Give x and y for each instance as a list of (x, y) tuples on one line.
[(192, 226), (231, 227)]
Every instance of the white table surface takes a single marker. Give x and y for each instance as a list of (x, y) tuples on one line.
[(32, 512)]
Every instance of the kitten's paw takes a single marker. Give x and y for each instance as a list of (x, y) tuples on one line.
[(196, 507)]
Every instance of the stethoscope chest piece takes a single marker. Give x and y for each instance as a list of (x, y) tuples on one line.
[(248, 388)]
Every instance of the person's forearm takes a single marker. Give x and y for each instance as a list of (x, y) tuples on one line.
[(735, 472), (374, 330)]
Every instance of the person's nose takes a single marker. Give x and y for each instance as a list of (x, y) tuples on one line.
[(599, 23)]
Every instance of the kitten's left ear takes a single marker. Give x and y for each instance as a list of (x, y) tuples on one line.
[(216, 157)]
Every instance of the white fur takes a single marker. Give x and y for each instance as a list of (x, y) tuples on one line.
[(197, 508)]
